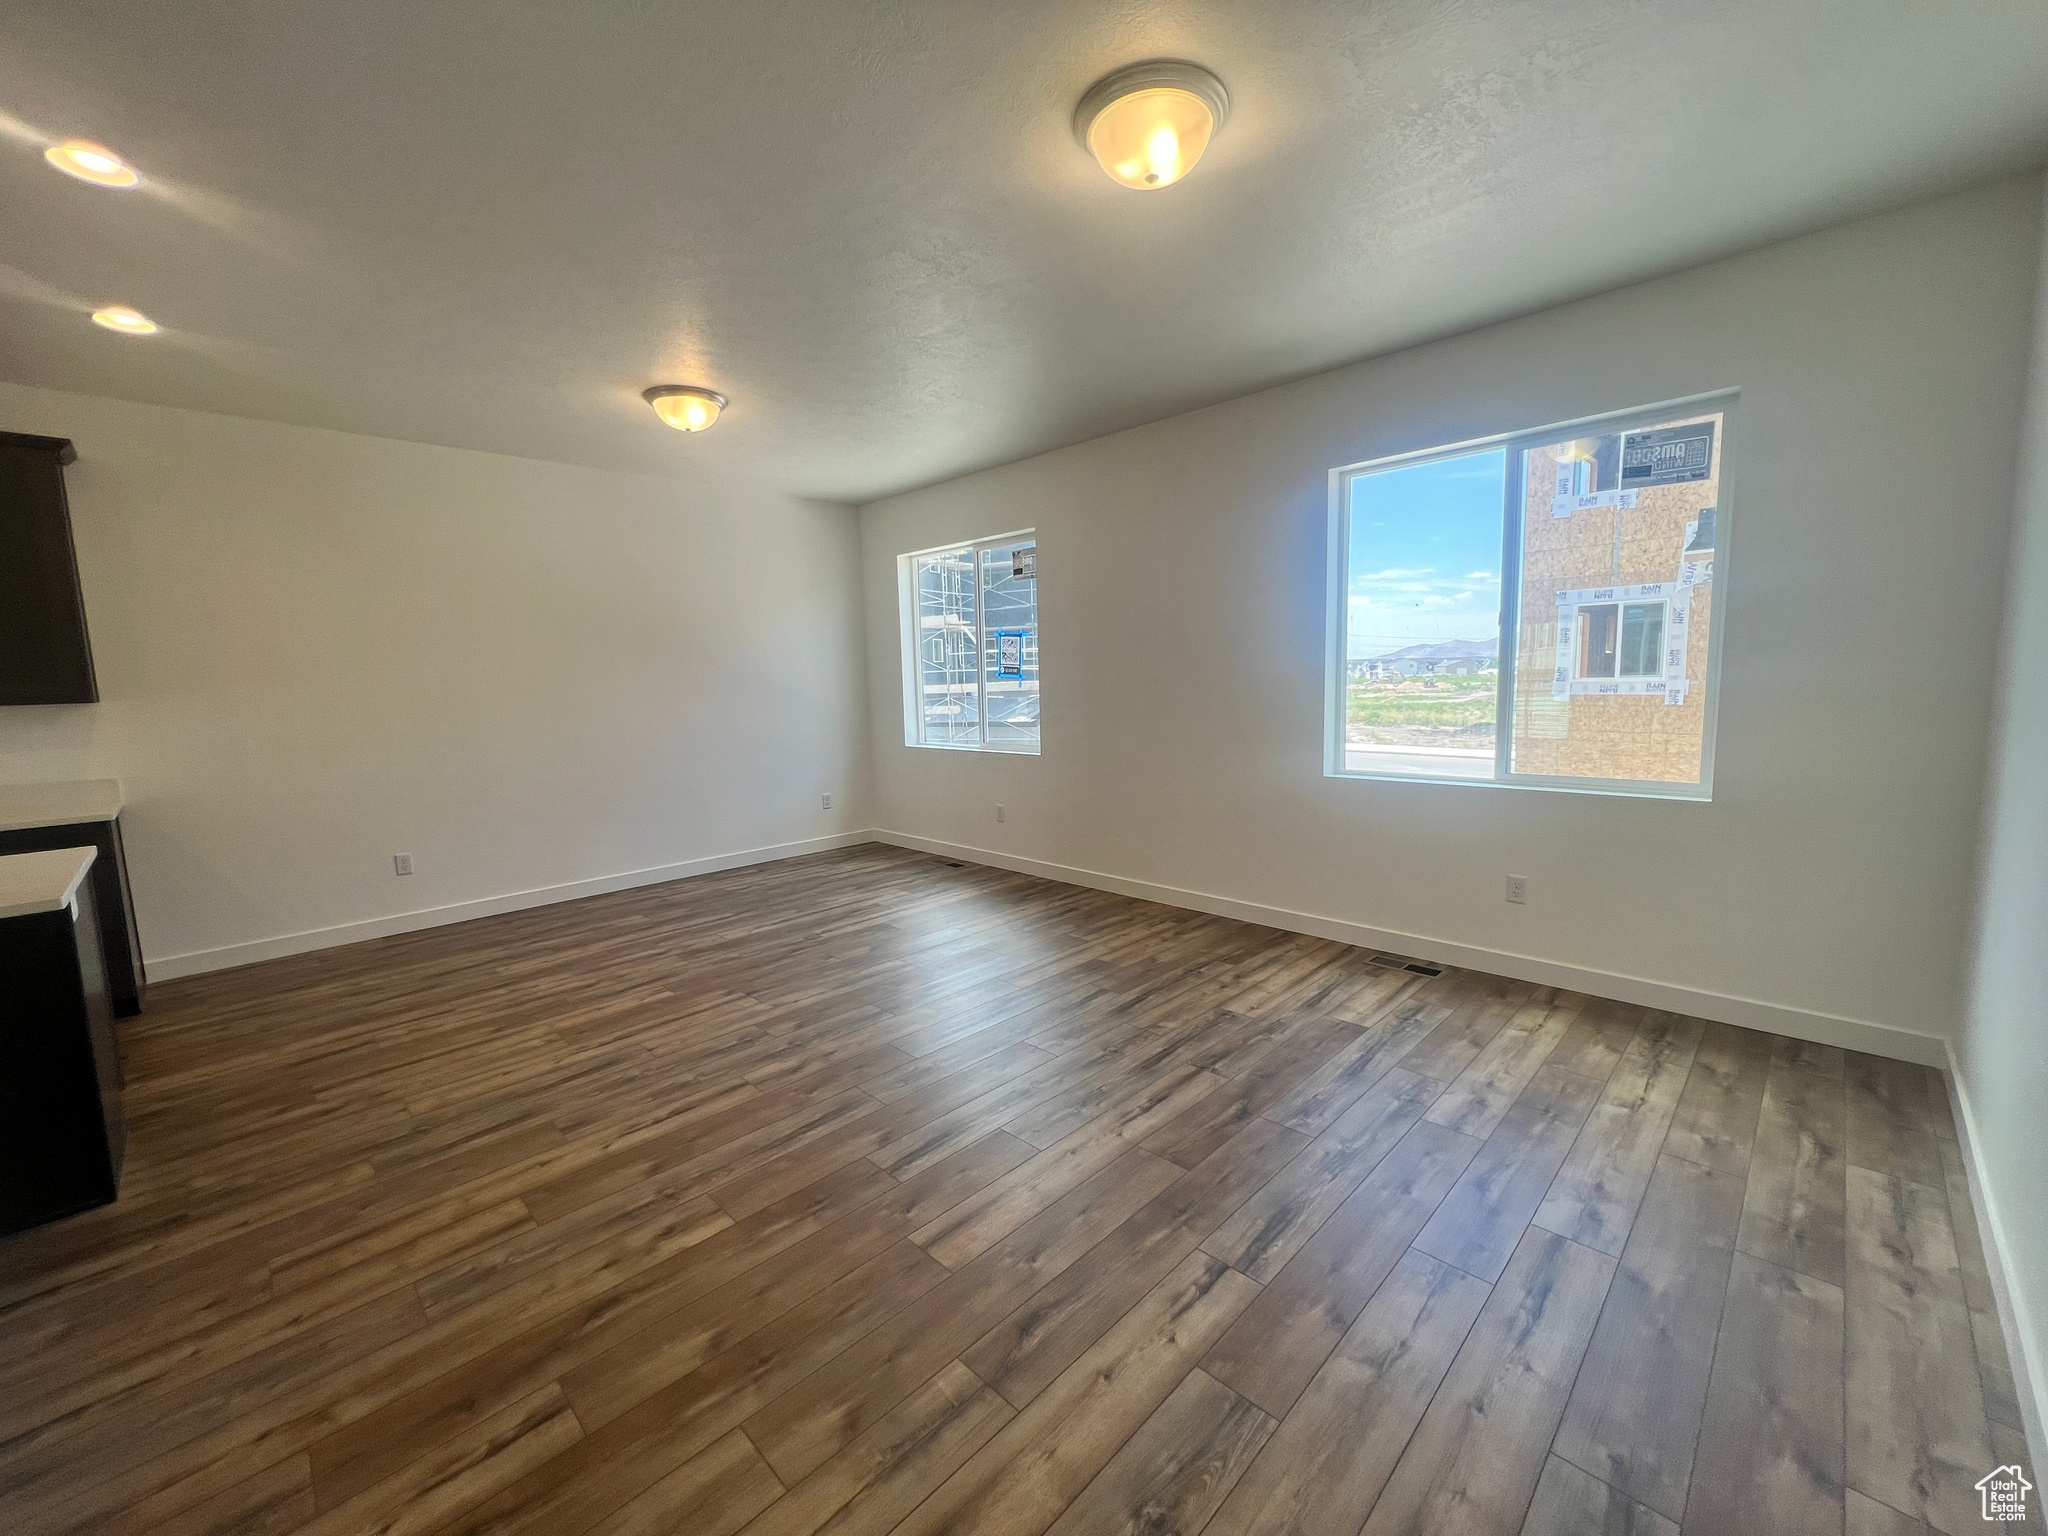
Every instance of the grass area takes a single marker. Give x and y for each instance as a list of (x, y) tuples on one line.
[(1454, 703)]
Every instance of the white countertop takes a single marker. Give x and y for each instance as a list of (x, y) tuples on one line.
[(41, 882), (58, 805)]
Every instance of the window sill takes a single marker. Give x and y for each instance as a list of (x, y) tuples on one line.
[(1697, 794), (991, 750)]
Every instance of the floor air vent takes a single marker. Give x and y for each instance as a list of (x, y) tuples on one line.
[(952, 864), (1403, 963), (1423, 970)]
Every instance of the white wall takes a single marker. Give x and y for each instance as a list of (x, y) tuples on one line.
[(1824, 889), (317, 649), (2002, 1053)]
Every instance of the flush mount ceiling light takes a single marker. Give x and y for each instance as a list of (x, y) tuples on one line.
[(92, 162), (119, 317), (684, 406), (1148, 123)]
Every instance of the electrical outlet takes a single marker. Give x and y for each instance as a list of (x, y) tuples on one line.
[(824, 802), (1518, 889), (1002, 814), (401, 863)]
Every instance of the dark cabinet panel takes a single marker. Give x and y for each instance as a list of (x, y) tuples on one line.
[(61, 1132), (45, 654)]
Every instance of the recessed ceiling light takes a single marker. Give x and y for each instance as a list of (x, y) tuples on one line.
[(119, 317), (92, 162), (1148, 123), (684, 406)]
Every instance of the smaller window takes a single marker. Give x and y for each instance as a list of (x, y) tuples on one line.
[(1621, 640), (970, 645)]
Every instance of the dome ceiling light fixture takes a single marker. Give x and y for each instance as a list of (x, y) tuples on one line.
[(129, 322), (92, 162), (1148, 123), (684, 406)]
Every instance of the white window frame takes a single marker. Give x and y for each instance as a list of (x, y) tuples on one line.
[(1517, 443), (906, 603)]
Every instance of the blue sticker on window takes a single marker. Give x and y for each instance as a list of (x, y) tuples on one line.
[(1010, 653)]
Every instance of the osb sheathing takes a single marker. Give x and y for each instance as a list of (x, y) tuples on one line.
[(1591, 735)]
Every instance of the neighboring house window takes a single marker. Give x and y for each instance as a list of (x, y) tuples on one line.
[(1621, 640), (1534, 610), (970, 645)]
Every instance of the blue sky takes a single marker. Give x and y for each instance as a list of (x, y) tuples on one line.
[(1425, 553)]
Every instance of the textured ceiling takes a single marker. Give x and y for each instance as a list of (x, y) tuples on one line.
[(490, 223)]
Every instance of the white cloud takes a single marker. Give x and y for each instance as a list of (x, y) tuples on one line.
[(1480, 576), (1399, 575)]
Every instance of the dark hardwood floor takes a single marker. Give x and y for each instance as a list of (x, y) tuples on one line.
[(865, 1193)]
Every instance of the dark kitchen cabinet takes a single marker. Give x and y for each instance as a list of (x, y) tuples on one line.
[(61, 1134), (45, 653)]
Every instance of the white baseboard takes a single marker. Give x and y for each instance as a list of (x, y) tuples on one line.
[(193, 962), (1749, 1012), (2015, 1316)]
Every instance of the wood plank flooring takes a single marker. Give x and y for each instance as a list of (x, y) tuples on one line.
[(865, 1192)]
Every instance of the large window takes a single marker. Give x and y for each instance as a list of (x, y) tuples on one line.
[(1534, 610), (970, 645)]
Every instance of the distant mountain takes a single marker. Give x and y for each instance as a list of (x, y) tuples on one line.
[(1443, 650)]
